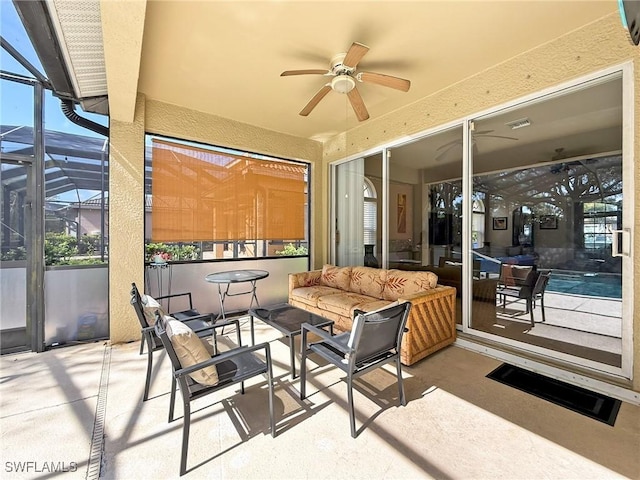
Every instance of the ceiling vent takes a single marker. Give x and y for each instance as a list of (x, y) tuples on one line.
[(516, 124)]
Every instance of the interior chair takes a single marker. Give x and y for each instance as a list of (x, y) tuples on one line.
[(200, 371), (457, 262), (374, 341), (200, 323), (523, 282)]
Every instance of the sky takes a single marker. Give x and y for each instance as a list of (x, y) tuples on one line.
[(16, 100)]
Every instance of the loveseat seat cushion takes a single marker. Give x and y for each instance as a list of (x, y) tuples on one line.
[(401, 283), (310, 295), (336, 277), (343, 303), (373, 304), (368, 281)]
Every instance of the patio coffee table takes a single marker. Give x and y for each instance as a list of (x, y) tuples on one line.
[(288, 320)]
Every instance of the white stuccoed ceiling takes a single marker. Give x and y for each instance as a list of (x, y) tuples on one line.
[(225, 57)]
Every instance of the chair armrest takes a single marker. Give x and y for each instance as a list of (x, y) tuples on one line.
[(202, 316), (173, 295), (226, 356), (212, 328), (326, 337), (226, 323)]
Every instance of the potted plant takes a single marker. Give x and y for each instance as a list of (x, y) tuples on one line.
[(161, 257)]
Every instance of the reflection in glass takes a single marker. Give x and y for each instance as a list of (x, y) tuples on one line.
[(558, 189)]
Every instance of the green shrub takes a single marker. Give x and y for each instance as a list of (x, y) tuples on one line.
[(291, 250), (18, 253), (175, 251), (59, 248), (88, 244)]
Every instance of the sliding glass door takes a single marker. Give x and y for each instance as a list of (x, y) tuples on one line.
[(554, 248), (523, 210)]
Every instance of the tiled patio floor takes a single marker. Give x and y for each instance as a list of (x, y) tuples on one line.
[(457, 424)]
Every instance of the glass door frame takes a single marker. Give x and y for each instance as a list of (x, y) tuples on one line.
[(626, 368), (34, 218), (561, 365)]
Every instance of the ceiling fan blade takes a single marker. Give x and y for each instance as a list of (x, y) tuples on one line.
[(355, 54), (442, 154), (385, 80), (449, 144), (315, 100), (358, 104), (313, 71), (482, 132)]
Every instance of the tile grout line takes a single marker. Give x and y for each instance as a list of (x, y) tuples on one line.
[(97, 439)]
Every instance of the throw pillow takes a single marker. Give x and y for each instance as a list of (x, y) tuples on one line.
[(190, 350), (336, 277), (149, 307), (401, 282)]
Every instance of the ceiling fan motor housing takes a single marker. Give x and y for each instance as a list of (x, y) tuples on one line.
[(343, 84)]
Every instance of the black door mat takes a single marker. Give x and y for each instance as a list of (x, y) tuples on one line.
[(594, 405)]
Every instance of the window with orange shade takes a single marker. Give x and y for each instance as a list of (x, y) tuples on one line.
[(229, 204)]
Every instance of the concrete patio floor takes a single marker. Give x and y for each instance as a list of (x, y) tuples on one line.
[(79, 410)]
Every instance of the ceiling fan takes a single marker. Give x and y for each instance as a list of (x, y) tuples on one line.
[(343, 70), (476, 136)]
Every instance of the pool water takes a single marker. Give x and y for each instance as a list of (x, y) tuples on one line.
[(591, 284)]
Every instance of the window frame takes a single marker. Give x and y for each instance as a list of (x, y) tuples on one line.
[(232, 250)]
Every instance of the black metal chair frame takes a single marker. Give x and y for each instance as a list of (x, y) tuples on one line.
[(530, 289), (233, 366), (374, 341), (199, 323), (189, 314)]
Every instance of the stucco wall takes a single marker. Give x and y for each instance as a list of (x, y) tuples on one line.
[(126, 220), (602, 44), (126, 215)]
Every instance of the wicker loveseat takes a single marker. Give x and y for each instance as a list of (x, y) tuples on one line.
[(335, 292)]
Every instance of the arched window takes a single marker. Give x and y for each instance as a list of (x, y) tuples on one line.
[(477, 224), (370, 212)]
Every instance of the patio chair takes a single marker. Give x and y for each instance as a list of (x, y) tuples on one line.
[(374, 341), (189, 314), (200, 323), (529, 287), (200, 371)]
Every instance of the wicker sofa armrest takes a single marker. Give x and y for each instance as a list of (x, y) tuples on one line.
[(431, 323)]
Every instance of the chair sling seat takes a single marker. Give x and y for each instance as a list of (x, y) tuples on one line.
[(337, 357), (186, 314), (374, 341), (231, 371), (202, 324), (232, 366)]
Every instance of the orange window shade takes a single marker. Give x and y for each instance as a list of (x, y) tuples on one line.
[(203, 195)]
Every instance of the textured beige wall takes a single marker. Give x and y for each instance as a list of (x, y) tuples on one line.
[(126, 220), (599, 45), (126, 215), (602, 44), (173, 121), (123, 25)]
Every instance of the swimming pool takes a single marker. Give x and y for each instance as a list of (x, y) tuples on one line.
[(581, 283)]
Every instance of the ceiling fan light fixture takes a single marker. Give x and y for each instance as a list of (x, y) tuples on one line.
[(343, 84)]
